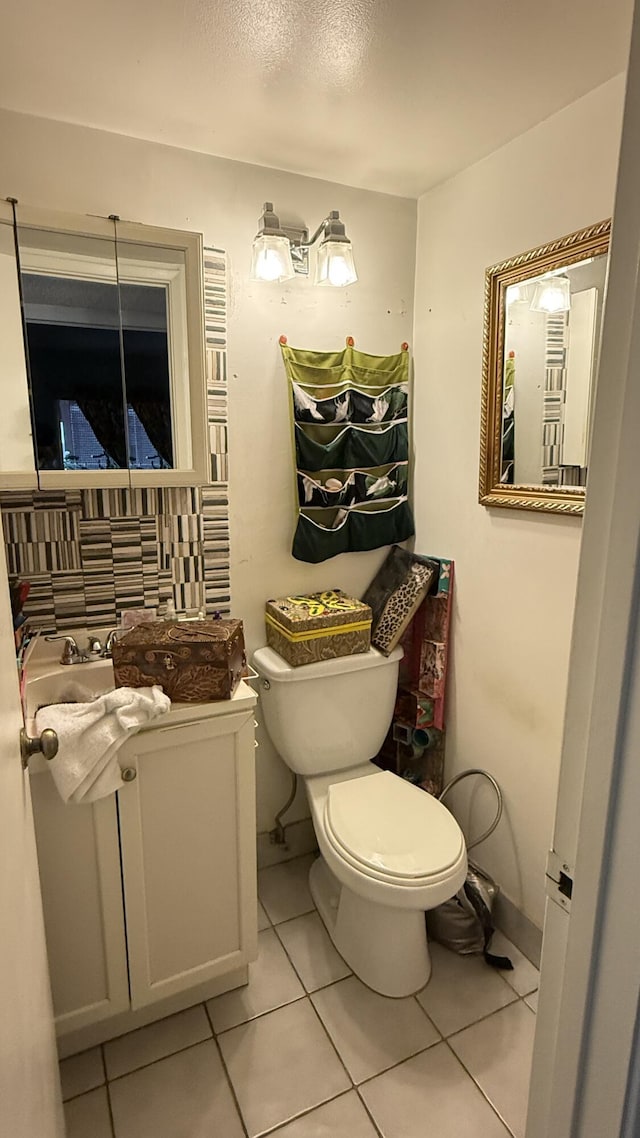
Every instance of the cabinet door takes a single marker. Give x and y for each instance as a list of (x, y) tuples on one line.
[(187, 829), (79, 863)]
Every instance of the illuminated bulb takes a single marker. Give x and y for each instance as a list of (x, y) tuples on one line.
[(335, 266), (271, 258)]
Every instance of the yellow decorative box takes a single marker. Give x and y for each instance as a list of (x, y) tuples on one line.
[(322, 626)]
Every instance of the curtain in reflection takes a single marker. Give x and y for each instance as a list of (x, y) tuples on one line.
[(155, 417), (107, 423)]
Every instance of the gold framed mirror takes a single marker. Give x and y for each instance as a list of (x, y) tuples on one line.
[(542, 319)]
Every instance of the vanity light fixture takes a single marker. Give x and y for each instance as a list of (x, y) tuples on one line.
[(271, 257), (552, 294), (280, 251)]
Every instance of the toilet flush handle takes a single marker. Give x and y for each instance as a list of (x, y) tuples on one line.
[(266, 685)]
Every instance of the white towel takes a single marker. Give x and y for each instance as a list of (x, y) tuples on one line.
[(90, 735)]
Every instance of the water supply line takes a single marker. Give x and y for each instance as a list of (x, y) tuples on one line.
[(465, 774), (278, 836)]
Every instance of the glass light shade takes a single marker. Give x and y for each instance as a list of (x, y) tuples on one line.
[(518, 293), (271, 258), (334, 264), (552, 294)]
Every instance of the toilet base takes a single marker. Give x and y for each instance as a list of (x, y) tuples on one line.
[(386, 948)]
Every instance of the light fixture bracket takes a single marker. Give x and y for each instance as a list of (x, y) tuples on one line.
[(298, 239)]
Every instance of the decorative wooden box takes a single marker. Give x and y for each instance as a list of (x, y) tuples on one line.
[(320, 626), (198, 661)]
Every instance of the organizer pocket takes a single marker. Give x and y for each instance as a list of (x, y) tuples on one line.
[(321, 534), (347, 487), (351, 446), (349, 404)]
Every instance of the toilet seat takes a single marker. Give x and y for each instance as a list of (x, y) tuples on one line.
[(391, 831)]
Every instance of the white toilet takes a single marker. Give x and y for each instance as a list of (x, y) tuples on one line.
[(389, 851)]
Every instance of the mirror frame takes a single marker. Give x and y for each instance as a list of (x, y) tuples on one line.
[(590, 242)]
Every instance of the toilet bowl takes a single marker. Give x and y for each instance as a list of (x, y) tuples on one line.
[(389, 851)]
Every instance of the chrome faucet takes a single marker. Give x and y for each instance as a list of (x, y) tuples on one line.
[(71, 654), (109, 642)]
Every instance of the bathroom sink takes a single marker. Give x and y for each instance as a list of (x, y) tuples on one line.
[(49, 681), (74, 683)]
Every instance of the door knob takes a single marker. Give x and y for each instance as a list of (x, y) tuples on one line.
[(45, 744)]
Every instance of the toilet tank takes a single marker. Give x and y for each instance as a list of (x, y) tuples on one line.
[(331, 715)]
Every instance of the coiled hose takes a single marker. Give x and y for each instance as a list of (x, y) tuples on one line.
[(465, 774)]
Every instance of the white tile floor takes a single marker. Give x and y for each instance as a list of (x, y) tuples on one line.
[(306, 1051)]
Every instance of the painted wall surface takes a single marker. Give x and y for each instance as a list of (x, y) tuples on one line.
[(515, 571), (60, 166)]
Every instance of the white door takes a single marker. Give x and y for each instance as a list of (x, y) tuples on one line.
[(30, 1105), (585, 1070)]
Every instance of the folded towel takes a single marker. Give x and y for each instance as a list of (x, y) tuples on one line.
[(90, 735)]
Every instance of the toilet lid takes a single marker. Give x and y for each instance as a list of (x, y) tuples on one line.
[(387, 824)]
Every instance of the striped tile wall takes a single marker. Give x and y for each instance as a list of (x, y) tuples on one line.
[(89, 554)]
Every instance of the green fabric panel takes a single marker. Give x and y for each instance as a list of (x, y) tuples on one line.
[(366, 528), (355, 376), (321, 362), (349, 447)]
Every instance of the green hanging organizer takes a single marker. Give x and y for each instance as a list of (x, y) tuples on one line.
[(350, 420)]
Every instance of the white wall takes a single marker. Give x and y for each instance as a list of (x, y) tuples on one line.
[(515, 571), (54, 164)]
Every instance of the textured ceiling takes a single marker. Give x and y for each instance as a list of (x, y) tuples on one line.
[(391, 95)]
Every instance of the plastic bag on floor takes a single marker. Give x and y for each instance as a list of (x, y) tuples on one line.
[(464, 923)]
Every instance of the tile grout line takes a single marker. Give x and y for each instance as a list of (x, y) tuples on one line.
[(226, 1074), (442, 1038), (305, 1114), (482, 1092), (459, 1030), (322, 987), (161, 1058), (110, 1110)]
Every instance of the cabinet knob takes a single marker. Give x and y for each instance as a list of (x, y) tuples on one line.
[(129, 774)]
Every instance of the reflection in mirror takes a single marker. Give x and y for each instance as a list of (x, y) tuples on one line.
[(72, 328), (543, 313), (552, 332), (155, 354), (16, 450)]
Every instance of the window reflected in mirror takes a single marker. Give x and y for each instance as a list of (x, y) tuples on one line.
[(152, 282), (72, 328), (105, 326)]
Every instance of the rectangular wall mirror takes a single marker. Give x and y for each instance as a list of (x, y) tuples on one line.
[(543, 313), (112, 382)]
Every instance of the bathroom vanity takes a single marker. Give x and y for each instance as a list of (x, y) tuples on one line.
[(149, 895)]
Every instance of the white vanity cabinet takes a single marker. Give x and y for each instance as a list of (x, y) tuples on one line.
[(187, 835), (81, 883), (150, 900)]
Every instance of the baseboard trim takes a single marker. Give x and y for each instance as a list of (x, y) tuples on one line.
[(301, 839), (519, 929)]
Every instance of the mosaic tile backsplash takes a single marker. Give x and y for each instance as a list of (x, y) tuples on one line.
[(89, 554)]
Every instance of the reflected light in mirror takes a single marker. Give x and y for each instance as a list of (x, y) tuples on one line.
[(552, 294)]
